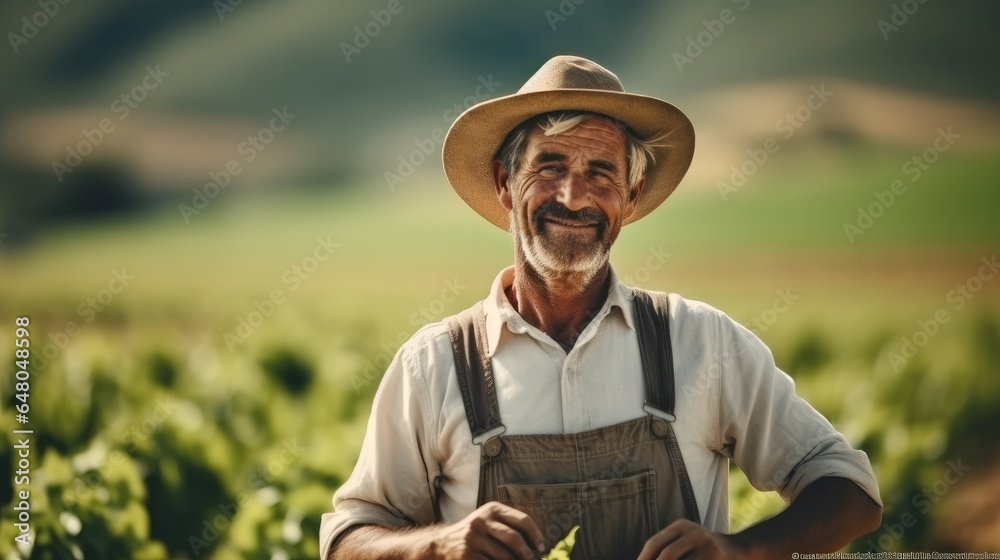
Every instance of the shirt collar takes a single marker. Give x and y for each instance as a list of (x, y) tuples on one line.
[(500, 313)]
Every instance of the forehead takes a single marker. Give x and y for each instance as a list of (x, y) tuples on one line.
[(592, 138)]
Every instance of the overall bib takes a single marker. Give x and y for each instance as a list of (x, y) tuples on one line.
[(620, 484)]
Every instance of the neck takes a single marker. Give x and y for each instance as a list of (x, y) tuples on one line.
[(560, 305)]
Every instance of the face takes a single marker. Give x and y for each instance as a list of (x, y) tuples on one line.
[(569, 198)]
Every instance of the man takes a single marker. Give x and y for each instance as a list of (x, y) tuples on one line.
[(566, 398)]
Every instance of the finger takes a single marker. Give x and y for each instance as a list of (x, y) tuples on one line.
[(655, 544), (492, 549), (511, 540), (479, 543), (524, 524), (679, 548)]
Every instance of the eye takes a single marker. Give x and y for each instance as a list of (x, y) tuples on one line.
[(549, 170)]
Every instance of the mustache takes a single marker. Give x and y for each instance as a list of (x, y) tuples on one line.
[(555, 210)]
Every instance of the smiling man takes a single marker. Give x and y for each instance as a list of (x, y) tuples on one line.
[(566, 398)]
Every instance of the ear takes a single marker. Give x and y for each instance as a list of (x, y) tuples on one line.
[(633, 197), (500, 179)]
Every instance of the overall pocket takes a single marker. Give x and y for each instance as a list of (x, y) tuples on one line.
[(615, 516)]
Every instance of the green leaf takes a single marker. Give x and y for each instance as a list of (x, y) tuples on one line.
[(563, 548)]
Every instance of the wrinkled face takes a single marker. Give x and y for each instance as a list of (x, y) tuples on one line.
[(570, 197)]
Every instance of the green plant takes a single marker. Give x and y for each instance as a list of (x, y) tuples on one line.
[(563, 548)]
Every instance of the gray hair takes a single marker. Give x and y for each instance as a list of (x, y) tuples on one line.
[(638, 151)]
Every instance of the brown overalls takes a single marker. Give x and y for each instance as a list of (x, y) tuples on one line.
[(620, 484)]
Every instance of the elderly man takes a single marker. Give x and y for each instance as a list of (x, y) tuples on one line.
[(566, 398)]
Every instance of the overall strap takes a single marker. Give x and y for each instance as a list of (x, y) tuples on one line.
[(475, 373), (652, 313)]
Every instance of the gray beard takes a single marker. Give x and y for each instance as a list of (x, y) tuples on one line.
[(549, 264)]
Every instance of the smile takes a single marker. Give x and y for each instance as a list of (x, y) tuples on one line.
[(566, 223)]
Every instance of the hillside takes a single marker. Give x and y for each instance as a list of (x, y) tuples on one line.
[(228, 70)]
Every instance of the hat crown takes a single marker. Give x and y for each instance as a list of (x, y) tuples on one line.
[(572, 72)]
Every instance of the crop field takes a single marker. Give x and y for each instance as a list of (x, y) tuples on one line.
[(200, 390)]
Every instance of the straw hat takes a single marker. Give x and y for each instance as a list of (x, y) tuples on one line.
[(564, 83)]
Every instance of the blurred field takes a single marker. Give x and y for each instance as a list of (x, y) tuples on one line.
[(156, 439)]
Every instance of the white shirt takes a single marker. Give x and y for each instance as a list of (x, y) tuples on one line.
[(732, 402)]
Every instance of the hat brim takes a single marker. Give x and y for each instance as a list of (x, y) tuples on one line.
[(474, 138)]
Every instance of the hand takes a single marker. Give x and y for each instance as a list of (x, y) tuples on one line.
[(494, 531), (686, 539)]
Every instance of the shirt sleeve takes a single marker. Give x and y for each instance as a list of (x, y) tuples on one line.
[(775, 437), (392, 482)]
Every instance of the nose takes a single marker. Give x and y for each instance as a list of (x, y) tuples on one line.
[(573, 192)]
